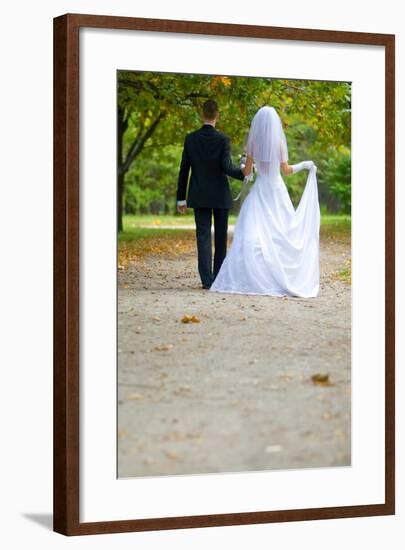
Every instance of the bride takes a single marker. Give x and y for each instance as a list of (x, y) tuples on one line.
[(275, 248)]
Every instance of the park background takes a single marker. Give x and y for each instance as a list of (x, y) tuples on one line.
[(155, 111)]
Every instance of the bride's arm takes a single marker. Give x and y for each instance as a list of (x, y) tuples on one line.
[(293, 168), (286, 168), (248, 166)]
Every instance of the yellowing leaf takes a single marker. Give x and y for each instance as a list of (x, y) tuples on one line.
[(164, 347), (321, 379), (135, 397), (190, 319), (172, 455)]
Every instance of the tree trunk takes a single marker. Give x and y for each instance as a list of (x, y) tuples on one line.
[(120, 200), (121, 127), (135, 149)]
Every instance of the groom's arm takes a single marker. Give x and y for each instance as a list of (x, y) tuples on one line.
[(226, 162), (184, 172)]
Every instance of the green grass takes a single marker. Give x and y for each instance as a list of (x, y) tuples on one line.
[(345, 275), (335, 219), (336, 226), (146, 227), (131, 220), (131, 233)]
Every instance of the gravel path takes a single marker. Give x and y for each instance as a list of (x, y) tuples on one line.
[(232, 392)]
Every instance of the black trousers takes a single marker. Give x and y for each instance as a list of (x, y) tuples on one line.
[(203, 217)]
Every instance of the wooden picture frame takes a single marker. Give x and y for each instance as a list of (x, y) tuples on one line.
[(67, 283)]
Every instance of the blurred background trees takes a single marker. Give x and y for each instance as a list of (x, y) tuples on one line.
[(156, 110)]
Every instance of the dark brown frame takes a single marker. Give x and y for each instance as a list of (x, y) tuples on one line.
[(66, 273)]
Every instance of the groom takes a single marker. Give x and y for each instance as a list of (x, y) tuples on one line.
[(208, 153)]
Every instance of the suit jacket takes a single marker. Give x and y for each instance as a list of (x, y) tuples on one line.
[(207, 152)]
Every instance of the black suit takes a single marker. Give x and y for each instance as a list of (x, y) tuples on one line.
[(207, 152)]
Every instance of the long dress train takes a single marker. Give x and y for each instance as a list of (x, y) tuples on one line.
[(275, 248)]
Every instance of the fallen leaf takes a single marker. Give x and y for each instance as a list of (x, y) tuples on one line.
[(135, 396), (190, 319), (321, 379), (172, 455), (164, 347)]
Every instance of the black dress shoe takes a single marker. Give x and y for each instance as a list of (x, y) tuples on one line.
[(205, 287)]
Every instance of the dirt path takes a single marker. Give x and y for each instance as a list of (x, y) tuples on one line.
[(234, 391)]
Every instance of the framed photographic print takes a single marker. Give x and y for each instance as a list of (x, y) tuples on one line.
[(223, 274)]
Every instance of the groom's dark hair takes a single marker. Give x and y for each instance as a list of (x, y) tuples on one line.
[(210, 109)]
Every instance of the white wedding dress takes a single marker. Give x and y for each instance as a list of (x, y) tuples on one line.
[(275, 248)]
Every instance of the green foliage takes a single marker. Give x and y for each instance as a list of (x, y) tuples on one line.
[(316, 117), (338, 170), (149, 182)]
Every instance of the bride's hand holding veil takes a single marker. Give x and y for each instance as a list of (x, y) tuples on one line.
[(305, 165), (294, 168)]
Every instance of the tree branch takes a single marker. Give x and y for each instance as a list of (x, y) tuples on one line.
[(160, 145), (296, 88), (123, 168), (139, 86), (140, 141)]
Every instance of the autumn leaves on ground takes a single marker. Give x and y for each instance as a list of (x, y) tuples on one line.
[(211, 382)]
